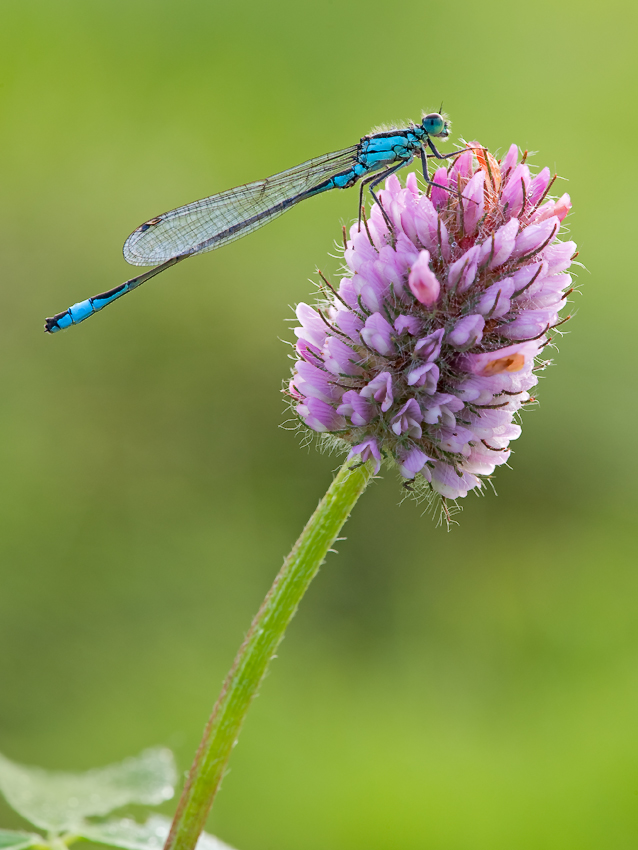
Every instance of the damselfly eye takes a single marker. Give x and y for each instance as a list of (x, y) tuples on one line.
[(435, 125)]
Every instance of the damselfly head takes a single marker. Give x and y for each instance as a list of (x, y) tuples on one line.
[(436, 125)]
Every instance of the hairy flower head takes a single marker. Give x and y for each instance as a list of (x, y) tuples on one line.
[(429, 346)]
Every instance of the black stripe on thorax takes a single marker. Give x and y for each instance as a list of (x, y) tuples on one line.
[(389, 134)]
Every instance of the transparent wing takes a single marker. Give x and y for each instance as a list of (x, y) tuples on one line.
[(207, 224)]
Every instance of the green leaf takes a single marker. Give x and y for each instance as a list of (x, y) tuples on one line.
[(59, 802), (151, 835), (10, 840)]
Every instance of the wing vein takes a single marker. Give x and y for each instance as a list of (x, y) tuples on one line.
[(219, 219)]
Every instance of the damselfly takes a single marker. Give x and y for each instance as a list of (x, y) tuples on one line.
[(212, 222)]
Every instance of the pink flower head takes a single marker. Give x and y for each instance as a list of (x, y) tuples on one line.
[(429, 348)]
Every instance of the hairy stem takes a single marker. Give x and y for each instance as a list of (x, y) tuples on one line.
[(259, 646)]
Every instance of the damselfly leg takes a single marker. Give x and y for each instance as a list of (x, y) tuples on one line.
[(372, 181)]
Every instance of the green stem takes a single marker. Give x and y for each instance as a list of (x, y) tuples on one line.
[(253, 658)]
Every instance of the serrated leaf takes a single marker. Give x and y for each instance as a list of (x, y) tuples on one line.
[(151, 835), (10, 840), (59, 802)]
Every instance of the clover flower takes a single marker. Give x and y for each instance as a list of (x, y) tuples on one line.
[(428, 348)]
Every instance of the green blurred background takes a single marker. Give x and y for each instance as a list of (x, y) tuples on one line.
[(451, 691)]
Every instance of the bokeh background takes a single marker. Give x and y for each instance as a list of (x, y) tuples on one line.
[(451, 691)]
